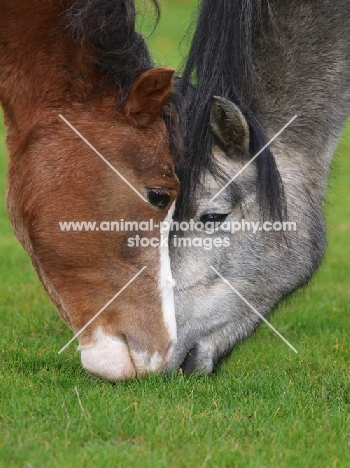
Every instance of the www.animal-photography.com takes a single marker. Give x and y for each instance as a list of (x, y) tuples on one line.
[(175, 218)]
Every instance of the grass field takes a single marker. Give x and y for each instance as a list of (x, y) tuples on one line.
[(266, 406)]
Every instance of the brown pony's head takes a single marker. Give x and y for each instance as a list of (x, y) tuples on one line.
[(86, 133), (59, 179)]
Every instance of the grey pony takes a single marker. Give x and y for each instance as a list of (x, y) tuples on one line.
[(302, 67)]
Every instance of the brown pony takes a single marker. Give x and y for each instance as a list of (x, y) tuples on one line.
[(51, 63)]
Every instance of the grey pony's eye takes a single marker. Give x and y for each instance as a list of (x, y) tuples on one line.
[(159, 198), (213, 218)]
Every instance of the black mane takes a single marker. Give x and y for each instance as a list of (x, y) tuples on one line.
[(109, 25), (220, 62), (122, 53)]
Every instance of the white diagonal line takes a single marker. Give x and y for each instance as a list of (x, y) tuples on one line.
[(253, 159), (254, 310), (103, 308), (103, 159), (79, 400)]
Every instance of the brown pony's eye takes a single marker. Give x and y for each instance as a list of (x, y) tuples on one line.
[(159, 198)]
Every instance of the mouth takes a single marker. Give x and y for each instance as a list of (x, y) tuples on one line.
[(113, 359)]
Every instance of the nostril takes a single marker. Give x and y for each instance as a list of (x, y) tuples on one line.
[(145, 362), (119, 339)]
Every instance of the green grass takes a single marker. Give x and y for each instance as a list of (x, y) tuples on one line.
[(266, 407), (169, 44)]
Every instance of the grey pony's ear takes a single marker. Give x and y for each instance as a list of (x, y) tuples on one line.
[(229, 124)]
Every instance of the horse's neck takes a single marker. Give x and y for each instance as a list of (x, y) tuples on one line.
[(303, 61), (39, 66)]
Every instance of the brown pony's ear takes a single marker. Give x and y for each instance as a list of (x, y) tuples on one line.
[(148, 94)]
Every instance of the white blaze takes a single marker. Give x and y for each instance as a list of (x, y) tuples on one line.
[(167, 282)]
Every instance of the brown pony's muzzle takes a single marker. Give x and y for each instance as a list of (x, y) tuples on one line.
[(114, 359)]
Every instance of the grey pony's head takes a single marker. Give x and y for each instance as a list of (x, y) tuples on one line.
[(273, 63), (210, 316), (230, 239)]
